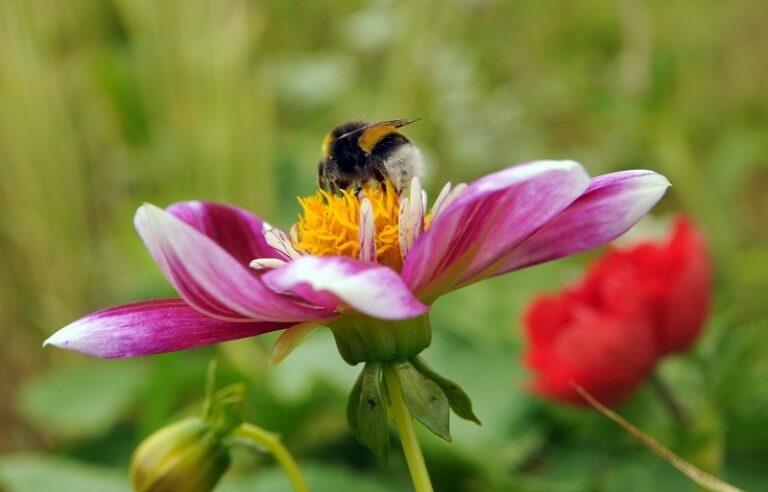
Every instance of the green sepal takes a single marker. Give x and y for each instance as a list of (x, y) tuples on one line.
[(367, 412), (425, 399), (457, 398), (223, 409), (360, 338)]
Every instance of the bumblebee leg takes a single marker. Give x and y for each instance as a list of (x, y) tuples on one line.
[(380, 174), (321, 179), (327, 177)]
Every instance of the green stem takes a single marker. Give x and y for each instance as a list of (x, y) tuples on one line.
[(669, 400), (255, 435), (404, 422)]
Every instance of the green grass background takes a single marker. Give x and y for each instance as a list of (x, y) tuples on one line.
[(106, 104)]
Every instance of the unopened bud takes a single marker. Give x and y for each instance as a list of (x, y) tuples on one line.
[(187, 456)]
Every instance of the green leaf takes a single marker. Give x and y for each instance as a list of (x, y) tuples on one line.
[(83, 401), (353, 408), (636, 473), (226, 410), (367, 413), (457, 398), (223, 409), (372, 412), (34, 473), (425, 399)]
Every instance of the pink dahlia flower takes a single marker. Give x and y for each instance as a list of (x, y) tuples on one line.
[(364, 259)]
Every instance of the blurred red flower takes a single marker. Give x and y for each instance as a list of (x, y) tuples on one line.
[(634, 306)]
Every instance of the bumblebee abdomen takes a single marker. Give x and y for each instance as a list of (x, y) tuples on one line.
[(389, 144)]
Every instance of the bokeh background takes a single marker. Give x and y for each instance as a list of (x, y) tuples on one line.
[(106, 104)]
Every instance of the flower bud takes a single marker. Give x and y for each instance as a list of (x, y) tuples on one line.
[(187, 456)]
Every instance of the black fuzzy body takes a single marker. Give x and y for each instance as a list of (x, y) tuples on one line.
[(347, 164)]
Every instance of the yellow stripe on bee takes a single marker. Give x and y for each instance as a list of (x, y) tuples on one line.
[(326, 148), (373, 135)]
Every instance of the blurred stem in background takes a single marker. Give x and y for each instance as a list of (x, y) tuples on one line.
[(666, 396), (701, 477), (699, 428)]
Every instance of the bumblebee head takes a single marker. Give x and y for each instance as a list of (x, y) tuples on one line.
[(357, 151)]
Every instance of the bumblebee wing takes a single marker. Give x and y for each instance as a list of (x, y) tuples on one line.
[(391, 123), (397, 123)]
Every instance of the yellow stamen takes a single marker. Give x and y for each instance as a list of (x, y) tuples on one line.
[(329, 224), (428, 220)]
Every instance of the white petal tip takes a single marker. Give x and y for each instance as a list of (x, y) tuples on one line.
[(563, 164), (662, 181), (654, 181), (58, 339), (570, 163), (145, 212)]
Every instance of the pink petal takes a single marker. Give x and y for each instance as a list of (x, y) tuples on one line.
[(335, 281), (488, 219), (237, 231), (151, 327), (612, 204), (209, 278)]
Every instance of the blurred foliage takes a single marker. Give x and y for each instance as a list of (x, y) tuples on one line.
[(107, 104)]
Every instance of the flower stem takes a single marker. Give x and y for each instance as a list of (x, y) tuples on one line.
[(404, 422), (261, 438), (669, 400)]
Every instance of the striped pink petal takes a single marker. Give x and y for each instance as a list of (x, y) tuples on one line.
[(489, 218), (337, 282), (151, 327), (237, 231), (612, 204), (208, 277)]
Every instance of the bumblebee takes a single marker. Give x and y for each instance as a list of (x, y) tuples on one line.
[(356, 153)]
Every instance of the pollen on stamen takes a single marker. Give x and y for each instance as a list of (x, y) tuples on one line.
[(329, 224)]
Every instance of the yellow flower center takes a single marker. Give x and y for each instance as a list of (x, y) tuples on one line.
[(329, 224)]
